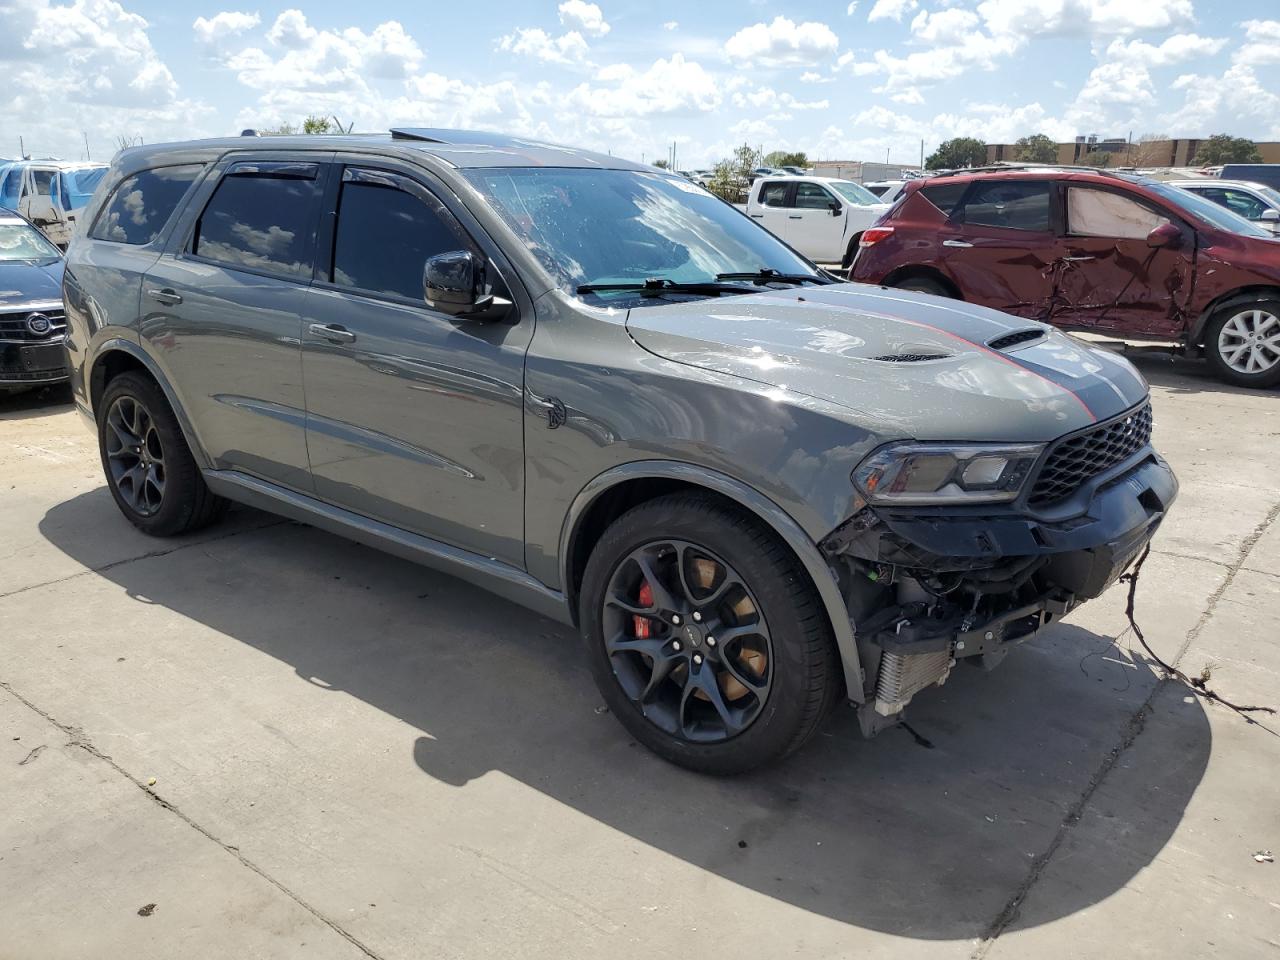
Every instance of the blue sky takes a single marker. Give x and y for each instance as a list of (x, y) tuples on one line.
[(838, 80)]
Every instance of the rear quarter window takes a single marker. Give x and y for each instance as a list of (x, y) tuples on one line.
[(945, 196), (142, 204)]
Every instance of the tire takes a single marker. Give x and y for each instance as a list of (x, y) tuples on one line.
[(1242, 336), (924, 285), (851, 252), (155, 482), (782, 619)]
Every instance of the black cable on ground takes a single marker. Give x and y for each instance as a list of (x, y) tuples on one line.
[(1197, 685)]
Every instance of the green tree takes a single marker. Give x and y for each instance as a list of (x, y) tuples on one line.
[(662, 164), (1036, 148), (958, 152), (1224, 148), (283, 130), (1099, 158), (787, 158), (315, 124), (730, 177)]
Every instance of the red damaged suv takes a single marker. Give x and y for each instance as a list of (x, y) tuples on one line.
[(1119, 254)]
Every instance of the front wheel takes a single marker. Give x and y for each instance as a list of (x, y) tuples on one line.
[(1242, 344), (706, 637), (923, 285)]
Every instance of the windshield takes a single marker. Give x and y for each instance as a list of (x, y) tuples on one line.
[(621, 226), (1271, 196), (21, 242), (77, 186), (855, 193), (10, 184), (1208, 211)]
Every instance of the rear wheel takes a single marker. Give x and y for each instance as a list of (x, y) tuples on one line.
[(705, 636), (149, 468), (1242, 344), (923, 285)]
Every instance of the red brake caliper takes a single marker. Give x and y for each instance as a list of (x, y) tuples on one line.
[(641, 624)]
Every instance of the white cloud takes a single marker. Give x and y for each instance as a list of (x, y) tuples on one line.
[(851, 8), (586, 17), (671, 25), (891, 10), (668, 86), (1178, 48), (228, 23), (1099, 17), (1236, 102), (952, 25), (768, 99), (1262, 43), (782, 42), (535, 42)]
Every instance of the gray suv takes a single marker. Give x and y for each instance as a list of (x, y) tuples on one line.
[(598, 391)]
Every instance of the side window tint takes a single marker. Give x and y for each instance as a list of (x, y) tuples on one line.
[(1245, 204), (385, 235), (774, 195), (143, 203), (945, 196), (810, 196), (1101, 213), (1013, 205), (262, 216)]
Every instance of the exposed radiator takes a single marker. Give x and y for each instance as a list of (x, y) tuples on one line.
[(904, 675)]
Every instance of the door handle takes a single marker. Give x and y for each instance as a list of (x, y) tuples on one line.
[(794, 216), (332, 332), (758, 216), (167, 295), (1078, 259), (957, 243)]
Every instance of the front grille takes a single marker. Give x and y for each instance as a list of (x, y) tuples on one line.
[(1005, 341), (1078, 458), (13, 325)]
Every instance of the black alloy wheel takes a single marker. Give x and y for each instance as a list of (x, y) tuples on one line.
[(687, 641), (135, 455)]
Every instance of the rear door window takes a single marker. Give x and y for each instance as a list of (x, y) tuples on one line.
[(388, 226), (945, 196), (1237, 201), (1104, 213), (142, 204), (262, 216), (774, 194), (1009, 204)]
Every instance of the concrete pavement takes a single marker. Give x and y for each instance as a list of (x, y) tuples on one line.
[(354, 756)]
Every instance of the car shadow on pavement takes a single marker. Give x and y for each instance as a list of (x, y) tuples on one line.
[(925, 835), (1184, 375), (44, 402)]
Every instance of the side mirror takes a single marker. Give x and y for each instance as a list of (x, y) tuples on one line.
[(835, 207), (1270, 216), (454, 283), (1165, 235)]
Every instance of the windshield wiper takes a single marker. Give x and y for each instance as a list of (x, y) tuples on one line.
[(767, 275), (656, 286)]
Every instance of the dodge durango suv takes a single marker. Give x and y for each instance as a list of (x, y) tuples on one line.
[(598, 391), (1113, 253)]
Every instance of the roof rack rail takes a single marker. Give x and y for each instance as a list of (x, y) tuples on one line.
[(1027, 167)]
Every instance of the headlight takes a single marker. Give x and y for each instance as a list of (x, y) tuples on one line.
[(930, 473)]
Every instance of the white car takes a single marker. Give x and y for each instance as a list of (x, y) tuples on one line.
[(1253, 201), (49, 193), (821, 217), (887, 190)]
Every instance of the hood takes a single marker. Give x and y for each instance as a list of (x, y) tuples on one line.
[(22, 283), (910, 365)]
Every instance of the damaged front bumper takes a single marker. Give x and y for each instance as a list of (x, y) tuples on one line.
[(928, 587)]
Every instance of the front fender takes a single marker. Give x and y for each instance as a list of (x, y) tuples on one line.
[(766, 510)]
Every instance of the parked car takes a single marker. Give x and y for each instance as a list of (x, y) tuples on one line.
[(887, 191), (50, 193), (1264, 173), (1255, 202), (1113, 253), (821, 217), (31, 318), (600, 392)]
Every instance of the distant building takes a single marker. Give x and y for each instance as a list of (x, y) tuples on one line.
[(1141, 153), (860, 171)]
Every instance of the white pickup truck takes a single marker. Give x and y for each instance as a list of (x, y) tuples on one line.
[(49, 193), (821, 217)]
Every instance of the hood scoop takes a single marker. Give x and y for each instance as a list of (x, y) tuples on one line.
[(1008, 340)]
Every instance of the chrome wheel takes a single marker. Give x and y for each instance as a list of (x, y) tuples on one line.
[(687, 641), (1249, 342), (135, 456)]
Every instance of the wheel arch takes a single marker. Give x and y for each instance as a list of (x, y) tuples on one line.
[(117, 356), (923, 272), (617, 490), (1239, 296)]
